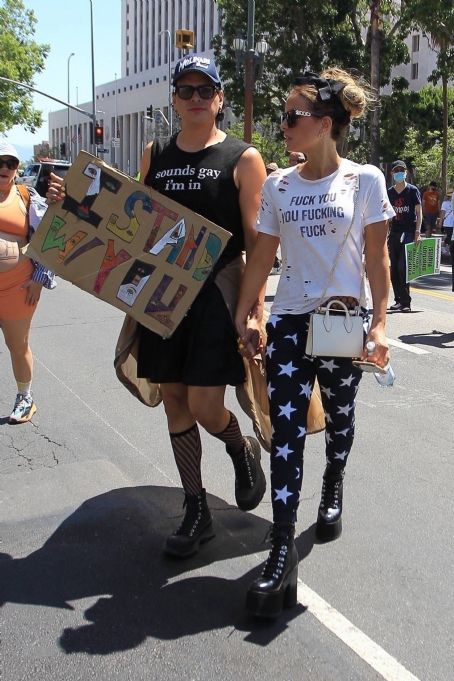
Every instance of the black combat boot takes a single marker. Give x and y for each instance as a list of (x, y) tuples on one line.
[(195, 529), (276, 587), (250, 482), (329, 519)]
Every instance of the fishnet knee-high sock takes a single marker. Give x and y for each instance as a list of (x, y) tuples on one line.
[(187, 450)]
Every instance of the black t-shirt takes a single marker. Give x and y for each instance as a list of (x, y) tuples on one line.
[(203, 182), (404, 206)]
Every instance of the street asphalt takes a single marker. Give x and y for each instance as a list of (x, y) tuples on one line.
[(89, 491)]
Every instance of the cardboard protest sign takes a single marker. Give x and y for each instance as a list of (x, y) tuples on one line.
[(127, 244), (423, 259)]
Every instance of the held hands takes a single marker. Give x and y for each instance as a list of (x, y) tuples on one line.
[(250, 341), (56, 190), (418, 238), (33, 292)]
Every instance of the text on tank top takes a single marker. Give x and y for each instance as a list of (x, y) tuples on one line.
[(203, 182)]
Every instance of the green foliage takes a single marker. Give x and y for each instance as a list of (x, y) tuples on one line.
[(422, 111), (267, 139), (304, 34), (425, 153), (21, 59)]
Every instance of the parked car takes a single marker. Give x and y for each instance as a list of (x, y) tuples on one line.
[(37, 174)]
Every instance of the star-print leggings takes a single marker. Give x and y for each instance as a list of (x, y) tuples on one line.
[(291, 375)]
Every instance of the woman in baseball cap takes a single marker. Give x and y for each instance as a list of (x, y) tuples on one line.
[(21, 280)]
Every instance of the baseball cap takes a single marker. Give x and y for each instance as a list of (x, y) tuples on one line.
[(7, 149), (197, 63), (399, 164)]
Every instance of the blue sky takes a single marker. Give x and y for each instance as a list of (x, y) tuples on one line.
[(65, 25)]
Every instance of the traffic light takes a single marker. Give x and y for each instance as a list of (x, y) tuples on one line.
[(63, 148), (184, 39), (99, 135), (150, 111)]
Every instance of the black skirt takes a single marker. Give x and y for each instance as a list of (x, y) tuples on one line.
[(202, 351)]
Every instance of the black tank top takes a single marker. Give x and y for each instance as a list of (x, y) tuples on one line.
[(203, 182)]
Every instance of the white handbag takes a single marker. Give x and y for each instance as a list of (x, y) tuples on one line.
[(336, 332)]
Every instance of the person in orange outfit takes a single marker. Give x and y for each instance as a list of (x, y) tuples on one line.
[(21, 280)]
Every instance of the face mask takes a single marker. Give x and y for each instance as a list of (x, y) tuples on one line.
[(400, 177)]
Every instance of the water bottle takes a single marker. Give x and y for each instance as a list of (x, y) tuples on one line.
[(385, 377)]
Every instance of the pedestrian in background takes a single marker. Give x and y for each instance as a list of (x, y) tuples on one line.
[(447, 225), (21, 280), (405, 228), (309, 209), (430, 208)]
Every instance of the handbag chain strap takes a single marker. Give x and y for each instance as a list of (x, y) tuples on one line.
[(341, 249)]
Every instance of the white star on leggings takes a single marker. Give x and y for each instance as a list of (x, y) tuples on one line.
[(348, 381), (273, 320), (345, 410), (282, 494), (294, 338), (306, 390), (331, 365), (340, 455), (286, 410), (287, 369), (284, 451)]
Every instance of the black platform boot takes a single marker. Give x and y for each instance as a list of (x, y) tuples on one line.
[(276, 587), (329, 519), (250, 482), (195, 529)]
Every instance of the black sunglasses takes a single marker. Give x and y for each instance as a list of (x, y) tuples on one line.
[(290, 117), (10, 163), (187, 91)]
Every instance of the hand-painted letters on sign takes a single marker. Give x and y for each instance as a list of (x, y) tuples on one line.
[(128, 245)]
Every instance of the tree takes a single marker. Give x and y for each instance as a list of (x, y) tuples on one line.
[(21, 59), (305, 34), (267, 139), (424, 151), (436, 20)]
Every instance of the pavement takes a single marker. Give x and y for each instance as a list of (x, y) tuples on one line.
[(89, 492)]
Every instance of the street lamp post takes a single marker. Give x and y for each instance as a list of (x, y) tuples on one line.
[(93, 94), (68, 143), (251, 55), (169, 36)]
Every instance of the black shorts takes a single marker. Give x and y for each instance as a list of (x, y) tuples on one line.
[(202, 351)]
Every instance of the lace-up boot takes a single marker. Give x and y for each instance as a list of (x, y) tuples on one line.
[(250, 482), (276, 587), (329, 519), (195, 529)]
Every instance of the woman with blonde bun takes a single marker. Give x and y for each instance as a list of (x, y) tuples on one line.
[(309, 209)]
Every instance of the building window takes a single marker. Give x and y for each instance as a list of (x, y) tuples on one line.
[(150, 82), (130, 87), (127, 71), (127, 8), (415, 43), (414, 71), (203, 26), (157, 80)]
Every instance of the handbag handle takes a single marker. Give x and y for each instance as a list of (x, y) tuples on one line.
[(341, 249), (348, 322)]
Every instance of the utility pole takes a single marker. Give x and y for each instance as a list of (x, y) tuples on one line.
[(375, 47), (249, 73)]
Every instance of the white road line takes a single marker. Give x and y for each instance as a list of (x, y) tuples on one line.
[(369, 651), (106, 423), (408, 348)]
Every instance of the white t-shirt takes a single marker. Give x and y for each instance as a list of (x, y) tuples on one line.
[(311, 218), (448, 220)]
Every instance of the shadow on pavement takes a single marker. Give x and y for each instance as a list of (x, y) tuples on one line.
[(112, 544), (433, 338), (434, 281)]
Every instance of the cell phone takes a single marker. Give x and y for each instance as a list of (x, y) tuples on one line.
[(370, 367)]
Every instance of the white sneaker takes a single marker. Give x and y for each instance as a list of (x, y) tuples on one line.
[(24, 408)]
